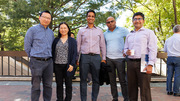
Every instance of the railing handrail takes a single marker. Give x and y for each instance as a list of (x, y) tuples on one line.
[(13, 53)]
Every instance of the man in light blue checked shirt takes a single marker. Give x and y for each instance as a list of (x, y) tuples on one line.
[(37, 44), (114, 38)]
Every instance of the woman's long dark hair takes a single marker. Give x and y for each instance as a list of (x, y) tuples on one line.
[(69, 32)]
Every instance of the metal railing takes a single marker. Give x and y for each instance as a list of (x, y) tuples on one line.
[(16, 63)]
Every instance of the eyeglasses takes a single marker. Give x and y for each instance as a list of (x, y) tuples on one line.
[(90, 16), (46, 17), (136, 19), (110, 22)]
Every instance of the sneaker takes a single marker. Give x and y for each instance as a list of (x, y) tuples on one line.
[(169, 93)]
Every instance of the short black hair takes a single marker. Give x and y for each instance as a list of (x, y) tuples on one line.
[(46, 11), (138, 13), (90, 11), (69, 32)]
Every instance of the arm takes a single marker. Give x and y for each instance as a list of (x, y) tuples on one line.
[(28, 41), (103, 47), (126, 47), (74, 54), (152, 48), (165, 46), (78, 46), (73, 62)]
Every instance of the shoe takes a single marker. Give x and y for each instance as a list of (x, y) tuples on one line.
[(176, 94), (73, 77), (169, 93), (89, 83)]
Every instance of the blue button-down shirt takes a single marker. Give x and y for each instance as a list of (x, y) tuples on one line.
[(115, 42), (38, 41)]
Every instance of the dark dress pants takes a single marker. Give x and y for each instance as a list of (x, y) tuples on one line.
[(137, 78), (119, 65), (89, 62), (60, 74), (41, 71)]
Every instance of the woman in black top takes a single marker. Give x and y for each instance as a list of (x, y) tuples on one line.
[(64, 51)]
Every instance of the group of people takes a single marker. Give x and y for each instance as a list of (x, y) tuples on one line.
[(113, 47)]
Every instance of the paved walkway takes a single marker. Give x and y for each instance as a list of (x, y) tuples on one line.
[(20, 91)]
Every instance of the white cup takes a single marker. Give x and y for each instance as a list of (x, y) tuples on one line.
[(132, 52)]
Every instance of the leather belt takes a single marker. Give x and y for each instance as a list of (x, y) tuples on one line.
[(135, 59), (42, 59), (92, 54)]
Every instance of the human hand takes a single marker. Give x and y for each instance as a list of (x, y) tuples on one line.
[(124, 54), (77, 63), (70, 68), (103, 61), (128, 52), (148, 69)]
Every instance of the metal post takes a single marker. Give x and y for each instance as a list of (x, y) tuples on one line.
[(2, 64), (28, 66), (15, 65), (8, 66), (160, 65), (21, 66)]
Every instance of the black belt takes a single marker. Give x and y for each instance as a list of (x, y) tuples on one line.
[(42, 59), (135, 60), (92, 54)]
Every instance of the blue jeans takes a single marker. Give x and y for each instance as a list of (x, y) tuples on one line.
[(173, 65), (88, 62)]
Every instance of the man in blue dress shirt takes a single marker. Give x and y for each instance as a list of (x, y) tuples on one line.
[(114, 38), (172, 48), (37, 44)]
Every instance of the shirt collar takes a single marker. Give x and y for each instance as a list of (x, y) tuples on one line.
[(93, 26), (113, 30), (176, 34), (43, 26), (141, 29)]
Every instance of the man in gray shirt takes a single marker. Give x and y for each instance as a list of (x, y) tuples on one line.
[(37, 44)]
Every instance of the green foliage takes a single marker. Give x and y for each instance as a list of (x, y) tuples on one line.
[(16, 16), (19, 15), (159, 16)]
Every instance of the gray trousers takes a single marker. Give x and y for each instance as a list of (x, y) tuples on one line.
[(119, 65), (41, 71), (89, 62)]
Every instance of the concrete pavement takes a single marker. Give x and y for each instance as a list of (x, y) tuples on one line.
[(20, 91)]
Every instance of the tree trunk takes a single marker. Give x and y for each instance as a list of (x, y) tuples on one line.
[(1, 43), (175, 14)]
